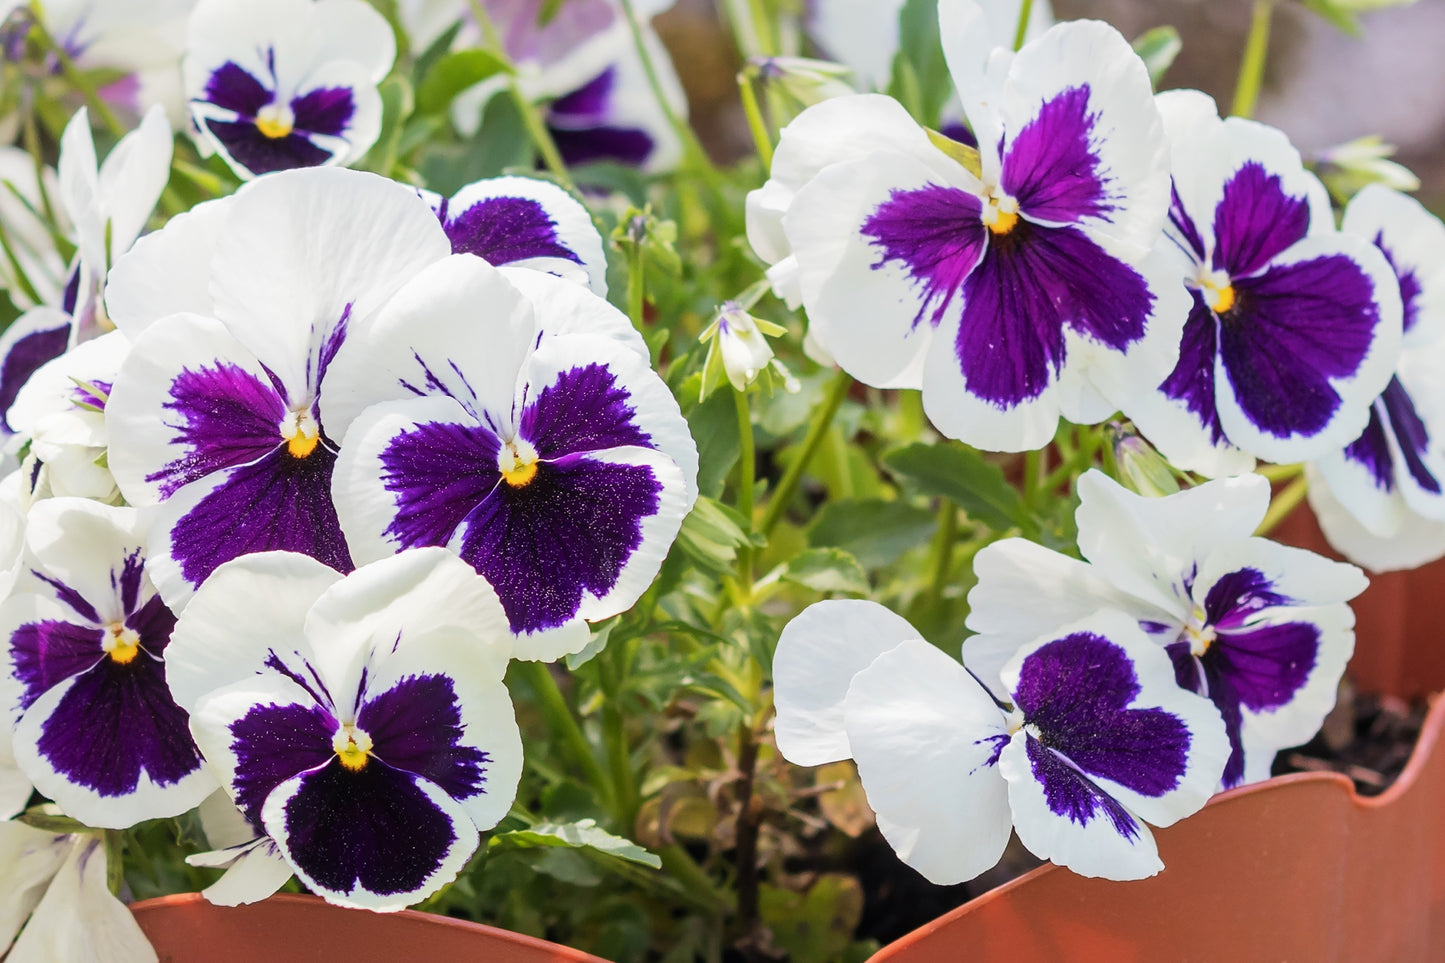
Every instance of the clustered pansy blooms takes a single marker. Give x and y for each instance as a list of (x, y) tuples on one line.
[(427, 481)]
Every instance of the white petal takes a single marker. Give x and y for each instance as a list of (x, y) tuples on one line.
[(85, 545), (29, 859), (568, 309), (355, 31), (256, 873), (79, 918), (1415, 239), (223, 824), (169, 271), (46, 407), (925, 737), (818, 654), (1414, 542), (131, 181), (218, 710), (80, 188)]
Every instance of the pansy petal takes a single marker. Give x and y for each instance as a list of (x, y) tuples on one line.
[(571, 309), (94, 551), (376, 839), (30, 858), (36, 337), (1310, 343), (971, 31), (167, 272), (224, 637), (818, 654), (79, 918), (254, 871), (883, 244), (528, 223), (1415, 542), (926, 738), (333, 246), (1411, 238), (1149, 547), (132, 178), (45, 642), (354, 30)]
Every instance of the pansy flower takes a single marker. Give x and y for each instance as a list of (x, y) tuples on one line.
[(220, 418), (1095, 742), (1018, 290), (280, 84), (253, 864), (1263, 630), (1379, 500), (529, 434), (1295, 327), (85, 638), (360, 722), (524, 222)]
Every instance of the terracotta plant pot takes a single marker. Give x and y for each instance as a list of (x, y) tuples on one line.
[(284, 928), (1397, 648), (1296, 868)]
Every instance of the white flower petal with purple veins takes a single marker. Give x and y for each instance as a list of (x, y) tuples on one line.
[(373, 743), (1020, 296), (525, 222), (221, 420), (1295, 327), (818, 654), (1103, 741), (85, 636), (253, 871), (281, 84), (1385, 505), (558, 465)]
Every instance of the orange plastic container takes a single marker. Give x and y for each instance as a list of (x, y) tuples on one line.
[(291, 929)]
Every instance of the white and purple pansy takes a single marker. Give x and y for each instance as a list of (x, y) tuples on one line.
[(528, 433), (524, 222), (1380, 500), (1018, 291), (1295, 327), (279, 84), (221, 418), (85, 638), (1096, 741), (1261, 629), (359, 722)]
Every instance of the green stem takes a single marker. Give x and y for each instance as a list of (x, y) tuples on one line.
[(763, 28), (1033, 464), (1279, 473), (614, 735), (1251, 66), (1025, 11), (942, 555), (747, 472), (79, 81), (754, 113), (636, 289), (563, 724), (681, 867), (1283, 503), (822, 420)]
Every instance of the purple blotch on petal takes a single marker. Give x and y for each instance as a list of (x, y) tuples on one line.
[(1410, 288), (273, 743), (372, 827), (1071, 794), (1051, 167), (589, 102), (232, 87), (1077, 691), (416, 726), (1372, 451), (44, 654), (1030, 284), (1256, 221), (501, 230), (1192, 380), (70, 598), (437, 472), (936, 233), (585, 409), (324, 110), (227, 417), (24, 358), (1237, 596), (588, 145), (1180, 220), (1410, 433), (1291, 330), (260, 154)]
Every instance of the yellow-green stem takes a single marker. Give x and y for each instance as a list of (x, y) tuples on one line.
[(636, 289), (1251, 65), (1283, 503), (747, 471), (942, 555), (563, 725), (1279, 473), (1026, 10), (817, 429), (763, 28), (754, 113)]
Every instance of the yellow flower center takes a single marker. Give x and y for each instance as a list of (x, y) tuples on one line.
[(301, 432), (352, 745), (275, 121), (517, 462), (1000, 213), (120, 643), (1217, 291), (1198, 633)]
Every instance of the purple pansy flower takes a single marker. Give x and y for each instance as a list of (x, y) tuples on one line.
[(529, 434), (361, 723), (1020, 290), (1295, 327), (1381, 499), (221, 418), (1099, 741), (524, 222), (85, 637), (1264, 631), (280, 84)]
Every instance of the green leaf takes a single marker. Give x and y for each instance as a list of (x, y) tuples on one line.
[(454, 73), (396, 106), (959, 473), (714, 423), (582, 834), (827, 570), (711, 535), (876, 532), (1158, 48), (920, 73), (51, 822), (600, 633)]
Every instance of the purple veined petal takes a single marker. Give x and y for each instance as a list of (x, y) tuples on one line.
[(1411, 238), (37, 336), (46, 645), (563, 307), (872, 291), (531, 223), (111, 747), (416, 727), (1408, 540), (233, 88), (1049, 166), (250, 152), (1182, 230), (376, 838), (260, 732), (324, 110), (103, 582), (280, 503), (254, 871), (1308, 344), (1256, 221), (926, 738)]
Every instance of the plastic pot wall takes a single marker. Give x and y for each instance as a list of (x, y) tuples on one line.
[(287, 927)]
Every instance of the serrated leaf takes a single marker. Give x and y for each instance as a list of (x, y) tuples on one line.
[(582, 834), (876, 532), (1158, 48), (827, 570), (959, 473), (452, 74)]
